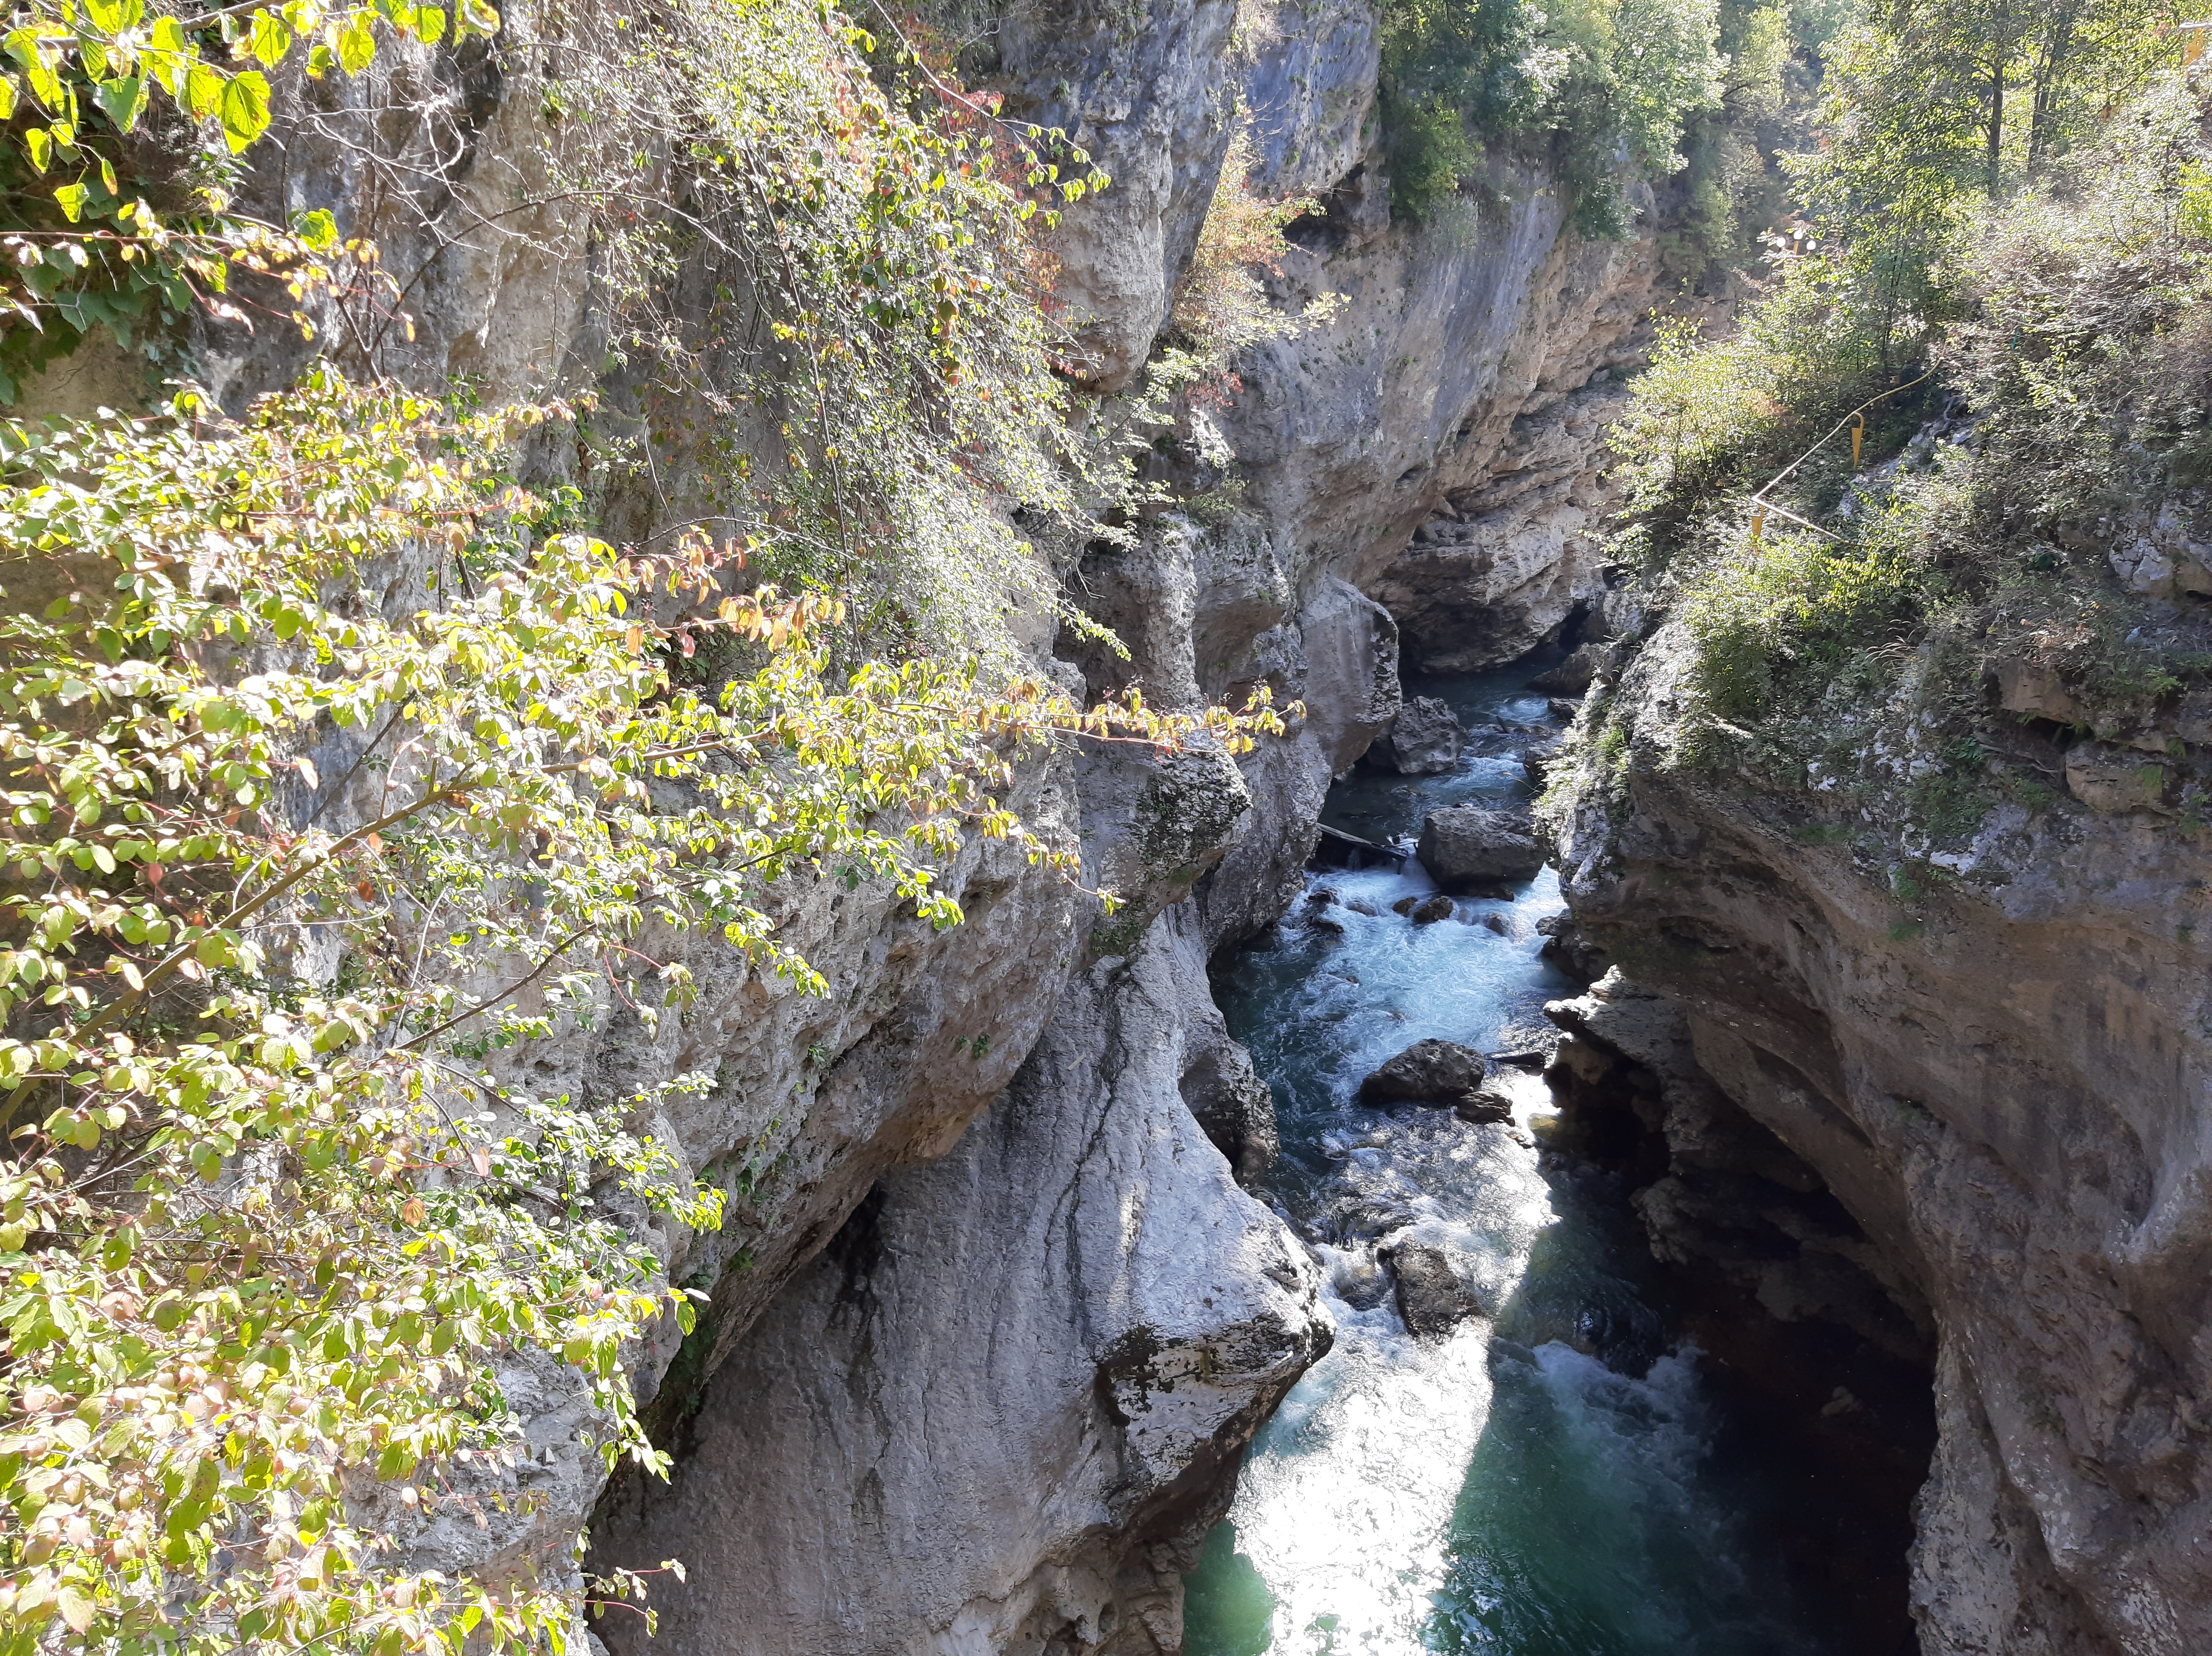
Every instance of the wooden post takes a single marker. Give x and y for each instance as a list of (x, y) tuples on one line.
[(1858, 436)]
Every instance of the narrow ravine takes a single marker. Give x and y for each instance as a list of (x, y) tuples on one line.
[(1553, 1477)]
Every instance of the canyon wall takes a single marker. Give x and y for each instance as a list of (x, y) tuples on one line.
[(990, 1322), (1994, 1059)]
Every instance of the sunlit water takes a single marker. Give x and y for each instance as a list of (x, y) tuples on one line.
[(1542, 1483)]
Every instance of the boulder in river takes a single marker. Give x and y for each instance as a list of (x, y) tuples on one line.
[(1437, 908), (1488, 1103), (1423, 740), (1430, 1297), (1441, 1073), (1468, 847)]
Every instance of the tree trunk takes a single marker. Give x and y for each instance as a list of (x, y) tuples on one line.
[(1996, 125), (2049, 63)]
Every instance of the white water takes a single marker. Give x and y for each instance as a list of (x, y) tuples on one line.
[(1541, 1482)]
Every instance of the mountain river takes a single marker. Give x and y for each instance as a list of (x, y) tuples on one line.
[(1557, 1477)]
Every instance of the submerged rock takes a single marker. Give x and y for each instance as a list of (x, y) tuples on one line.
[(1423, 740), (1427, 1072), (1467, 846), (1431, 1299)]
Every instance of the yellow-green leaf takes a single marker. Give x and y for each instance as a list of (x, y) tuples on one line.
[(76, 1610), (245, 109), (122, 101), (271, 38), (6, 97), (203, 89), (357, 46), (168, 56)]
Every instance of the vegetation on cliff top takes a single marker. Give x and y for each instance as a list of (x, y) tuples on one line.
[(344, 756), (1598, 93), (1977, 395)]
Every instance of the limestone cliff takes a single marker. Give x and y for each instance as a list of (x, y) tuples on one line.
[(1998, 1073), (999, 1409)]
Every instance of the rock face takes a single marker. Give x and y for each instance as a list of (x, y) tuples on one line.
[(1511, 560), (889, 1467), (1572, 676), (1468, 848), (2006, 1095), (1423, 740), (1427, 1072), (1488, 1103), (1225, 1096)]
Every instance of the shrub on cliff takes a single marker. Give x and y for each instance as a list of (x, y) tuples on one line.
[(1590, 88), (2071, 370)]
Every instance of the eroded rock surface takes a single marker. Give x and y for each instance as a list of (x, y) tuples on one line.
[(2006, 1093), (1424, 741), (1427, 1072), (999, 1410), (1431, 1299)]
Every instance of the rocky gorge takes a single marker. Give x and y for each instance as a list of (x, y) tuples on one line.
[(1916, 1137)]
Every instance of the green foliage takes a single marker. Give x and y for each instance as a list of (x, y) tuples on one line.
[(296, 870), (1222, 309), (1736, 185), (273, 1220), (116, 206), (1775, 627), (837, 349), (2089, 346), (1711, 422), (1954, 97), (1585, 84), (1876, 595)]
